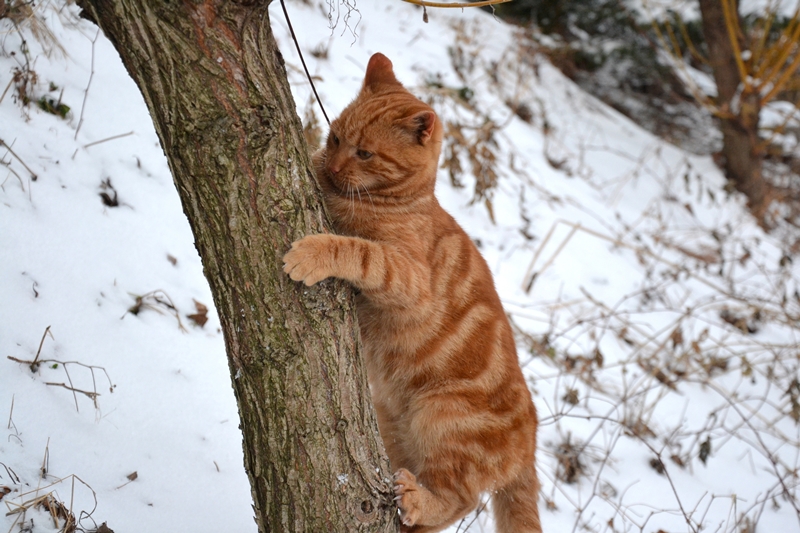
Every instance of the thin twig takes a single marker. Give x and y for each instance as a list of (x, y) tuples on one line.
[(481, 508), (64, 364), (33, 174), (7, 164), (6, 90), (460, 5), (303, 61), (549, 262), (92, 395), (45, 460), (771, 456), (35, 363), (86, 92), (72, 388), (11, 424), (113, 137), (11, 413)]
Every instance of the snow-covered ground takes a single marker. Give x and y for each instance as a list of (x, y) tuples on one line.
[(656, 320)]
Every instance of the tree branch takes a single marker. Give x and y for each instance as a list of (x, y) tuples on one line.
[(461, 5)]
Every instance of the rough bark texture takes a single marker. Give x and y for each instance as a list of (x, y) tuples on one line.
[(741, 146), (216, 87)]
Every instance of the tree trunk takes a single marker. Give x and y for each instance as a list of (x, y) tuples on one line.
[(741, 147), (214, 82)]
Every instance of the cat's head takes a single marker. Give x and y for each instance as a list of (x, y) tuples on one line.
[(386, 141)]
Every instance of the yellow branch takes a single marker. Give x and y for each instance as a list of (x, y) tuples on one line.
[(462, 5), (773, 51), (660, 36), (675, 44), (785, 50), (732, 24), (785, 76), (692, 49), (675, 54), (758, 49)]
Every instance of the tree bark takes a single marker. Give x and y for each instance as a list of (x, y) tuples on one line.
[(741, 146), (216, 88)]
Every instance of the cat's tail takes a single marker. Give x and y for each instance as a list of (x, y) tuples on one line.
[(515, 506)]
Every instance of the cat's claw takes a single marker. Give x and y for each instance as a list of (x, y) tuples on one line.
[(406, 496)]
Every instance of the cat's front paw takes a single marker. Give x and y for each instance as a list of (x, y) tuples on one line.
[(407, 496), (308, 260)]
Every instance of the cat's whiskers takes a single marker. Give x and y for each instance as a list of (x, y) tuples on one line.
[(366, 190), (351, 201), (348, 195)]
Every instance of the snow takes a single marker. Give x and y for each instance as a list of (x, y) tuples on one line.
[(631, 239)]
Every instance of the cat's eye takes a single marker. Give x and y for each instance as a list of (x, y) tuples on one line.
[(363, 154), (335, 139)]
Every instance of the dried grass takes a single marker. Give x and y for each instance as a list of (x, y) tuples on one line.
[(36, 363), (46, 498), (707, 345)]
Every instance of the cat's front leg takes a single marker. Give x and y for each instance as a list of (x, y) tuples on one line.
[(383, 272), (316, 257)]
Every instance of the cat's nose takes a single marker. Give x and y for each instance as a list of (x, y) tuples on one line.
[(334, 169)]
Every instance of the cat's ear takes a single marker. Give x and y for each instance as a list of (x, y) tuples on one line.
[(379, 72), (422, 125)]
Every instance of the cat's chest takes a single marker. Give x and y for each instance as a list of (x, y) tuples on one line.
[(382, 220)]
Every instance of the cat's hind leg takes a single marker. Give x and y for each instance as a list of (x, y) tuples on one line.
[(427, 507), (516, 508)]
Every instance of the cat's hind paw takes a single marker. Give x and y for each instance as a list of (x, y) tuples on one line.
[(407, 496)]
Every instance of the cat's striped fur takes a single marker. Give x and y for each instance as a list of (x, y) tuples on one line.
[(454, 410)]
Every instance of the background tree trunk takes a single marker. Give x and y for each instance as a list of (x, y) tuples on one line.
[(741, 146), (214, 82)]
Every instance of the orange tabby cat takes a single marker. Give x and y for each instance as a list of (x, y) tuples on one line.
[(453, 407)]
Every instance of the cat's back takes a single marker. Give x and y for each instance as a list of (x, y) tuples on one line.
[(458, 331)]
